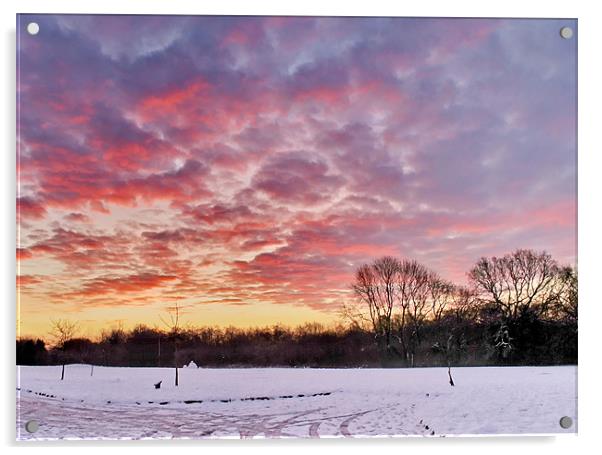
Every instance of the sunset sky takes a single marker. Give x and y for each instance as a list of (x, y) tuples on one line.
[(246, 166)]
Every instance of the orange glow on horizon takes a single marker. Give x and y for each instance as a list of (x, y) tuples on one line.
[(247, 166)]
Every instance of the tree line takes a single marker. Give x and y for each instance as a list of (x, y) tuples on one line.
[(308, 345), (519, 309)]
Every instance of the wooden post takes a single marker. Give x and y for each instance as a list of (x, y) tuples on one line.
[(176, 359), (448, 354), (451, 381)]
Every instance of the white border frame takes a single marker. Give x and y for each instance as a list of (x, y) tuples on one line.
[(589, 226)]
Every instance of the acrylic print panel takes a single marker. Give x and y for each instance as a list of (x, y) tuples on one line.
[(266, 227)]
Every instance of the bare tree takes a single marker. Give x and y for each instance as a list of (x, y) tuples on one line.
[(400, 297), (518, 282), (465, 304), (458, 306), (61, 332), (413, 285), (376, 286), (353, 313), (566, 307), (442, 295), (174, 332)]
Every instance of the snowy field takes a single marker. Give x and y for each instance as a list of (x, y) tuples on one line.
[(286, 402)]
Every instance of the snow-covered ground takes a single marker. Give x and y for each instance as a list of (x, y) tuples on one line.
[(289, 402)]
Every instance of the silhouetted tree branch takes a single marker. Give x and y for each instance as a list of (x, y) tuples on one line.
[(61, 332), (173, 325)]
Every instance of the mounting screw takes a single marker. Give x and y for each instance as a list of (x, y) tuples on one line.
[(32, 426), (33, 28), (566, 32), (566, 422)]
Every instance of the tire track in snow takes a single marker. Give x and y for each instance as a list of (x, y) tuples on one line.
[(313, 430), (61, 419), (344, 427)]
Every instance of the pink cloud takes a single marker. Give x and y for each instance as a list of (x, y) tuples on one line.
[(275, 155)]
